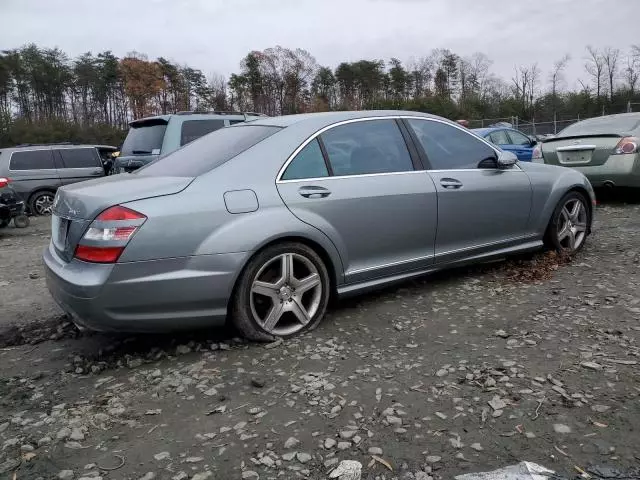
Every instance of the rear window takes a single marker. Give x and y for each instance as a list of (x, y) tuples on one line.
[(194, 129), (80, 158), (602, 125), (32, 160), (208, 152), (144, 139)]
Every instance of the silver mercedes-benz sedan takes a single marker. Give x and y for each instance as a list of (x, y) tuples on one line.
[(261, 223)]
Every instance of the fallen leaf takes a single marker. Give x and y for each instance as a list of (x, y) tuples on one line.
[(382, 461)]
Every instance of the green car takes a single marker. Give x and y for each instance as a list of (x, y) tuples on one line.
[(604, 149)]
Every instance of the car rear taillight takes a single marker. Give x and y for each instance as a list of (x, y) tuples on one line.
[(536, 155), (627, 145), (4, 182), (108, 235)]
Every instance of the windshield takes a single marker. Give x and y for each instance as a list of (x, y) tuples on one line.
[(602, 125), (144, 139), (208, 152)]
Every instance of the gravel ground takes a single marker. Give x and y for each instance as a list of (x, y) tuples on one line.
[(471, 370)]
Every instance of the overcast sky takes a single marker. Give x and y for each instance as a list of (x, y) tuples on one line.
[(213, 35)]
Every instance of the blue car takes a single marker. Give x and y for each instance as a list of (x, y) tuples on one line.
[(510, 140)]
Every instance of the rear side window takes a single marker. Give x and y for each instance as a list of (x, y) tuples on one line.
[(233, 122), (144, 138), (499, 138), (448, 147), (208, 152), (79, 158), (194, 129), (32, 160), (309, 163), (373, 146)]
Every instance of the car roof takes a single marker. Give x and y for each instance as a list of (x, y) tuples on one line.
[(198, 115), (42, 146), (328, 118), (488, 130)]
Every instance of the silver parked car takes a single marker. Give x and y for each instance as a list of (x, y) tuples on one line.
[(262, 222)]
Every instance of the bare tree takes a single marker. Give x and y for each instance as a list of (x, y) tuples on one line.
[(556, 80), (610, 57), (556, 77), (630, 73), (595, 67), (525, 82)]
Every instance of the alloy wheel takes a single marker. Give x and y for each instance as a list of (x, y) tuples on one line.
[(572, 224), (286, 294), (44, 204)]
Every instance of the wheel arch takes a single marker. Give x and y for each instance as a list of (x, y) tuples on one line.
[(333, 269), (37, 191)]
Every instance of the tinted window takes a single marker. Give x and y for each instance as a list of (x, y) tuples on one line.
[(194, 129), (308, 163), (208, 152), (374, 146), (598, 125), (144, 139), (31, 160), (518, 138), (448, 147), (499, 138), (80, 158), (233, 122)]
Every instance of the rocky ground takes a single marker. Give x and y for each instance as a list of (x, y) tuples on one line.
[(534, 359)]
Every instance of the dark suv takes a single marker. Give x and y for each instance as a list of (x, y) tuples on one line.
[(36, 171), (152, 137)]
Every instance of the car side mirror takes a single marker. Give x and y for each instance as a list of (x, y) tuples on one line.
[(534, 141), (506, 159)]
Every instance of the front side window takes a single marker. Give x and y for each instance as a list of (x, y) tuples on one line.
[(499, 138), (194, 129), (518, 138), (32, 160), (373, 146), (308, 163), (448, 147), (79, 158), (209, 152)]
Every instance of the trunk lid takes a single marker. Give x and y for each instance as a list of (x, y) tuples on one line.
[(579, 151), (76, 205)]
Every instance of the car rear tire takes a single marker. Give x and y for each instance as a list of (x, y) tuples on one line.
[(570, 224), (283, 291), (41, 203)]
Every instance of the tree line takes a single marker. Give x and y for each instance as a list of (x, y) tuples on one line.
[(47, 96)]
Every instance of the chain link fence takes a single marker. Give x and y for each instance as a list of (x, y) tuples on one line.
[(529, 128)]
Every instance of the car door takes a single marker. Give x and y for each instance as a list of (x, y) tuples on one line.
[(500, 138), (358, 183), (522, 145), (33, 170), (78, 163), (480, 207)]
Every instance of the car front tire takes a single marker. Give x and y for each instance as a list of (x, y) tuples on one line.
[(570, 224), (283, 291)]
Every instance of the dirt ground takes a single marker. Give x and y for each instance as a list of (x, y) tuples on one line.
[(532, 359)]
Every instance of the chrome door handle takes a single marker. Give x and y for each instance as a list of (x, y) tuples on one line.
[(313, 191), (451, 183)]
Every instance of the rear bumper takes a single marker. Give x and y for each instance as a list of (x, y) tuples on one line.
[(151, 296), (618, 170)]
